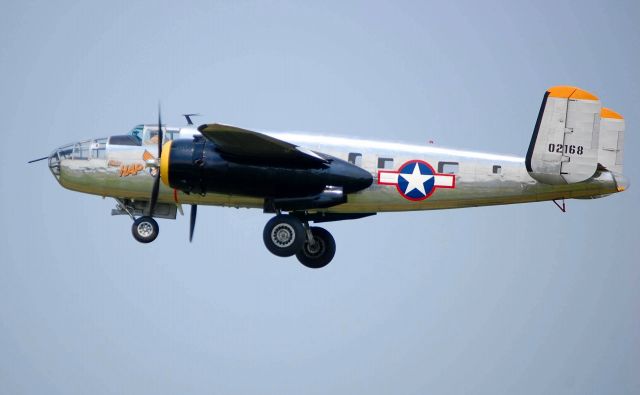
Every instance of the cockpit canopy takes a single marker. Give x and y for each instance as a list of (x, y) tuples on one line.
[(144, 135), (148, 134)]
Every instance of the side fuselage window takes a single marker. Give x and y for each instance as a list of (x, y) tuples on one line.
[(448, 167), (355, 158), (385, 163), (497, 169)]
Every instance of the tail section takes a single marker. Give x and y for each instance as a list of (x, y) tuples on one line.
[(566, 144), (611, 147)]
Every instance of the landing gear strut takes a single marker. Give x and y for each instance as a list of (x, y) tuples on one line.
[(145, 229), (286, 235)]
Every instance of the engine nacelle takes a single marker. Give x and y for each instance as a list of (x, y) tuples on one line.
[(197, 166)]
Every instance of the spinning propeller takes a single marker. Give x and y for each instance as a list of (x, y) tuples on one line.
[(156, 183)]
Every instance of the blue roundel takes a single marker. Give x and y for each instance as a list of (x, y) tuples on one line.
[(416, 180)]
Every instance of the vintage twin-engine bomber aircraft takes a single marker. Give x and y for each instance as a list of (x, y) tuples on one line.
[(576, 152)]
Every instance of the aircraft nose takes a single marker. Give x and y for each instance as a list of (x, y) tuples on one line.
[(60, 153)]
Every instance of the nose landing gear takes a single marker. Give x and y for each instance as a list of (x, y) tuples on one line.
[(145, 229), (286, 235)]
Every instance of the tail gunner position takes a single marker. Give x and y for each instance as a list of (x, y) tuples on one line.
[(576, 151)]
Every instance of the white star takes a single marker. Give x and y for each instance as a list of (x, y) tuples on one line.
[(416, 180)]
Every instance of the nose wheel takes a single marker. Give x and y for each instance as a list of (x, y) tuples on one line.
[(145, 229), (286, 235)]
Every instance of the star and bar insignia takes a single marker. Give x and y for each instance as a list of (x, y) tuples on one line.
[(416, 180)]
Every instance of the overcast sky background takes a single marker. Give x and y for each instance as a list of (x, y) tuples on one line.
[(512, 299)]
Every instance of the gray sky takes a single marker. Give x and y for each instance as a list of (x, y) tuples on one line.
[(512, 299)]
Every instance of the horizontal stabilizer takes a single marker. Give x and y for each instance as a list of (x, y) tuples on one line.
[(257, 147), (565, 142)]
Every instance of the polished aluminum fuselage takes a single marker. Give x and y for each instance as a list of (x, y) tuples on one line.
[(120, 172)]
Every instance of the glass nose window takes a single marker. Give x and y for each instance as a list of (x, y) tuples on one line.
[(81, 150), (99, 149), (88, 149), (65, 152)]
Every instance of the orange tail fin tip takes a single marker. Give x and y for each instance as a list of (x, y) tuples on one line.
[(571, 92), (609, 113)]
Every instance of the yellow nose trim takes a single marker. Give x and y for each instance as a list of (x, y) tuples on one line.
[(164, 162)]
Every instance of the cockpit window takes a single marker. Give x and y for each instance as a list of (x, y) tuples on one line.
[(137, 132), (149, 134), (167, 134), (153, 136), (171, 134)]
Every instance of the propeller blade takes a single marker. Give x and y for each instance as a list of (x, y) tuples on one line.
[(192, 221), (154, 194), (156, 181), (159, 134)]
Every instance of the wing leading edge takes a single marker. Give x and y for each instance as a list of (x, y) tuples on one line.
[(257, 147)]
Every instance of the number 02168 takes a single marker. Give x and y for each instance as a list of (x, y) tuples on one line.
[(566, 149)]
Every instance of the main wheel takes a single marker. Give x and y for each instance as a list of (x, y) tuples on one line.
[(321, 252), (284, 235), (145, 229)]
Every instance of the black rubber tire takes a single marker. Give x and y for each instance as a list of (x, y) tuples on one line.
[(275, 235), (145, 229), (321, 253)]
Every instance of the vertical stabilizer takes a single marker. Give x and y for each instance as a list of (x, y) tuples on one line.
[(565, 142), (611, 151)]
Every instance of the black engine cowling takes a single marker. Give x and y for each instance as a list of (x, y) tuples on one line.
[(197, 166)]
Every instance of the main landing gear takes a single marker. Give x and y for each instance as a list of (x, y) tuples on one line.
[(319, 253), (286, 235)]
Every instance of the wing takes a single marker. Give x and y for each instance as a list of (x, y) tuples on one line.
[(256, 147)]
